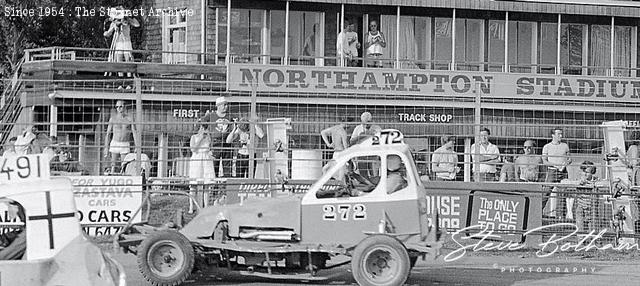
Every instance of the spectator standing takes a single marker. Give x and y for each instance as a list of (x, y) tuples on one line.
[(508, 170), (586, 204), (444, 161), (309, 49), (241, 133), (201, 166), (633, 159), (122, 128), (374, 44), (10, 147), (364, 130), (367, 166), (555, 155), (120, 28), (528, 164), (201, 163), (24, 142), (485, 156), (219, 130), (347, 45), (335, 137)]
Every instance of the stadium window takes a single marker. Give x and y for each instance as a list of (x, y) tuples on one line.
[(306, 37), (469, 44), (174, 37), (547, 47), (571, 48), (496, 38), (277, 27), (521, 44), (442, 31), (599, 49), (413, 40), (246, 34), (622, 50)]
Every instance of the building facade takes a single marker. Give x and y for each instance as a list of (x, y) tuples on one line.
[(519, 68)]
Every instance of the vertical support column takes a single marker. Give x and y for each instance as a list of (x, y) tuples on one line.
[(227, 57), (505, 68), (476, 128), (162, 155), (612, 43), (53, 120), (467, 160), (634, 56), (203, 33), (285, 61), (534, 47), (559, 34), (82, 150), (217, 36), (253, 120), (585, 50), (340, 28), (266, 39), (397, 37), (453, 41), (138, 123)]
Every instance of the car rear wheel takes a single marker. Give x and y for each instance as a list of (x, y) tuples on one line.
[(380, 260), (165, 258)]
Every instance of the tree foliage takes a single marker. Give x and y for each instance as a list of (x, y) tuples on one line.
[(70, 30)]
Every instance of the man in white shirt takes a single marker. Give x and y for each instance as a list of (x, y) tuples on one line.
[(485, 156), (367, 167), (364, 130), (555, 155), (335, 137), (444, 161), (347, 45)]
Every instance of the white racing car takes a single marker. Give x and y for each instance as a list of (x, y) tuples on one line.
[(46, 245)]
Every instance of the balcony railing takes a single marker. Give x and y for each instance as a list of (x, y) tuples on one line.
[(191, 58)]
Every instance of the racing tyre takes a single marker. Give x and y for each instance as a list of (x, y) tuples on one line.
[(380, 260), (165, 258)]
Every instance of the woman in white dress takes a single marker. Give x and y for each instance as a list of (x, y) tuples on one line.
[(201, 164), (201, 168)]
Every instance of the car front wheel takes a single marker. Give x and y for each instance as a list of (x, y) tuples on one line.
[(380, 260), (166, 258)]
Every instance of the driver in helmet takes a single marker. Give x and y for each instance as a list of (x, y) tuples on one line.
[(396, 174)]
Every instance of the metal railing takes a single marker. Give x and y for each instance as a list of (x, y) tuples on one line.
[(194, 58)]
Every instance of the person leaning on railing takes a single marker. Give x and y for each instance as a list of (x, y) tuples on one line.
[(586, 204), (555, 155), (528, 164)]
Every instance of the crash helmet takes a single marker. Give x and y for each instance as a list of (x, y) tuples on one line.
[(394, 163)]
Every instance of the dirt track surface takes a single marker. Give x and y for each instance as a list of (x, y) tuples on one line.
[(472, 270)]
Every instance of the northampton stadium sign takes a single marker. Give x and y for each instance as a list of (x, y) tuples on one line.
[(341, 80)]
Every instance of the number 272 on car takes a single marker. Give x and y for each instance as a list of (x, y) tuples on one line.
[(344, 212)]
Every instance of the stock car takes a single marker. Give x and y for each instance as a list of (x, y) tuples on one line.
[(57, 251), (382, 231)]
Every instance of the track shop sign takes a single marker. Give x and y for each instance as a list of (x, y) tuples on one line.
[(104, 200), (345, 80)]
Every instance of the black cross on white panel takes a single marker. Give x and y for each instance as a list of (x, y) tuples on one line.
[(50, 217)]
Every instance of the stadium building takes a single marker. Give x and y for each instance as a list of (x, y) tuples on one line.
[(516, 67)]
